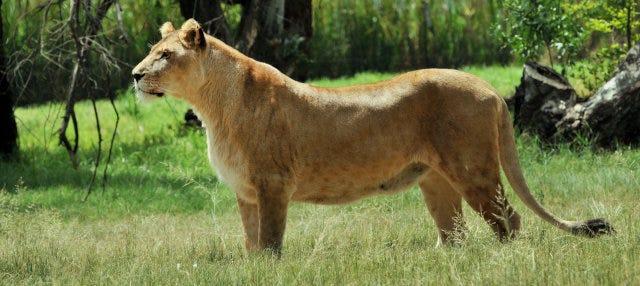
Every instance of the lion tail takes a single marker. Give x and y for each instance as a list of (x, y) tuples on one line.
[(513, 171)]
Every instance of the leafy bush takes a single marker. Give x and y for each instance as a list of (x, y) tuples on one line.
[(585, 37), (531, 28)]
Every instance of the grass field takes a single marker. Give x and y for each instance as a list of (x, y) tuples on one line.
[(163, 218)]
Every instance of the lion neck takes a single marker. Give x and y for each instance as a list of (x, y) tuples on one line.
[(221, 71), (234, 90)]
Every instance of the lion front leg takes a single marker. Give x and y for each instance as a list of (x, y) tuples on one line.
[(272, 211)]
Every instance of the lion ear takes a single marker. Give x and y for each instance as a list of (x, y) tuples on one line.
[(192, 35), (166, 29)]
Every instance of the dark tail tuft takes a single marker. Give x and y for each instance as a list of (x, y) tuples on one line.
[(594, 227)]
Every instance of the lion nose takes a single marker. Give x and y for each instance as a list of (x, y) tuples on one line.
[(137, 76)]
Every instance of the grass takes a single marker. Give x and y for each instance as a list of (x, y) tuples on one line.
[(164, 218)]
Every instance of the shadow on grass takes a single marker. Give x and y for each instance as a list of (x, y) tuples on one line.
[(131, 164), (140, 179), (34, 177)]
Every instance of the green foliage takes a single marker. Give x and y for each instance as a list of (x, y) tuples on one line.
[(348, 37), (392, 35), (594, 73), (532, 28), (618, 18), (588, 38), (612, 27), (233, 15), (41, 52)]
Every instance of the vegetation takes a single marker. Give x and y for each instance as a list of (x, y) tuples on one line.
[(163, 218), (536, 27), (385, 35), (585, 37), (397, 35)]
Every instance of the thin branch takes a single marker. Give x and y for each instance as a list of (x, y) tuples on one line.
[(73, 44), (83, 47), (70, 114), (74, 120), (125, 38), (113, 138), (98, 153), (43, 53)]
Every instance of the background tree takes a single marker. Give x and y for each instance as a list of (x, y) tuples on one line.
[(532, 28), (591, 37), (8, 128), (210, 15), (72, 50), (84, 25), (273, 31), (611, 27)]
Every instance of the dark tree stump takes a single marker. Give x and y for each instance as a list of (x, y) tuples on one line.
[(612, 115), (8, 128), (541, 100)]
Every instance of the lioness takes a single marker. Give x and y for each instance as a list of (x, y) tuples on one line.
[(275, 140)]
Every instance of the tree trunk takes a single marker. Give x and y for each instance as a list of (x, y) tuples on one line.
[(426, 26), (8, 128), (262, 35), (210, 15), (273, 31), (541, 100), (298, 25), (612, 115)]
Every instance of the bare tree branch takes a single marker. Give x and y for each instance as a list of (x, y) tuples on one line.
[(69, 113), (120, 23), (98, 153), (113, 138), (90, 25)]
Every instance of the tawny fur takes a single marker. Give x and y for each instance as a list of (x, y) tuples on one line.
[(274, 140)]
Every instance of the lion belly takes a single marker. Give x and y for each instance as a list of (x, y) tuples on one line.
[(347, 184)]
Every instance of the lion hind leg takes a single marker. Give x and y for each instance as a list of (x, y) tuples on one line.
[(445, 206), (477, 180), (486, 196)]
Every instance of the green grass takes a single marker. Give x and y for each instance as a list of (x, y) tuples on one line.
[(164, 218), (504, 79)]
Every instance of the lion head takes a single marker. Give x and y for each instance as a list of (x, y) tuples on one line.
[(173, 64)]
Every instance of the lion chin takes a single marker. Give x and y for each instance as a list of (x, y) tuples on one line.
[(146, 97)]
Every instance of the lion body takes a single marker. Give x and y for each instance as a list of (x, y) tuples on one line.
[(338, 145), (275, 140)]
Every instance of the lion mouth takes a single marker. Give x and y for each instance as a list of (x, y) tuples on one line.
[(158, 94)]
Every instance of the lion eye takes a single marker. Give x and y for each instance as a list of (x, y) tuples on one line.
[(165, 55)]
